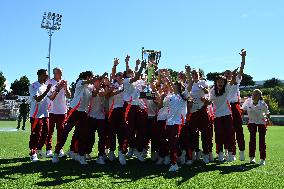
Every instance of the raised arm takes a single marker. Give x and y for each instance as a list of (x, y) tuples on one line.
[(113, 71), (127, 62), (138, 74), (243, 54), (188, 77)]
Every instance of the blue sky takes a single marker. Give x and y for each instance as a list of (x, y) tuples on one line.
[(204, 34)]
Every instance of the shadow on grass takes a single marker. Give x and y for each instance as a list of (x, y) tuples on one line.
[(68, 171)]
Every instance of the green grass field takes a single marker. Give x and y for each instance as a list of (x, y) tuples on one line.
[(16, 170)]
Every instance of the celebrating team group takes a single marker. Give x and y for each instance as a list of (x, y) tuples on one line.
[(167, 126)]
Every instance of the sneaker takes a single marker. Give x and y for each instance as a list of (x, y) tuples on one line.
[(121, 158), (198, 155), (193, 155), (88, 157), (262, 162), (139, 155), (111, 156), (206, 159), (226, 154), (154, 156), (40, 154), (129, 153), (181, 158), (49, 154), (167, 160), (211, 157), (242, 156), (252, 160), (174, 168), (100, 160), (70, 154), (34, 158), (189, 162), (61, 153), (144, 153), (230, 157), (82, 160), (221, 157), (105, 157), (160, 161), (55, 158)]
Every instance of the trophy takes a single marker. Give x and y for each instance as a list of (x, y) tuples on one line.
[(152, 57)]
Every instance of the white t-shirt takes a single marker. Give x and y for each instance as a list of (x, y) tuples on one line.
[(132, 92), (177, 109), (58, 105), (256, 114), (97, 110), (116, 101), (163, 112), (196, 94), (235, 96), (221, 103), (82, 95), (152, 108), (38, 109)]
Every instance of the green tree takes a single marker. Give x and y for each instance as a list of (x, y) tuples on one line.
[(272, 104), (21, 86), (274, 82), (2, 82), (174, 74), (247, 80), (211, 76)]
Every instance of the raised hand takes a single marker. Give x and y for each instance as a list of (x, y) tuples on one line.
[(187, 69), (243, 53), (116, 61), (138, 62), (48, 87), (127, 58)]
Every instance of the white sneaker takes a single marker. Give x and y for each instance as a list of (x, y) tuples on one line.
[(199, 155), (138, 155), (40, 154), (252, 160), (211, 157), (189, 162), (70, 154), (167, 160), (55, 158), (61, 153), (154, 156), (230, 157), (105, 157), (206, 159), (76, 157), (121, 158), (88, 157), (193, 155), (262, 162), (226, 154), (129, 153), (34, 158), (181, 158), (49, 153), (111, 156), (221, 157), (160, 161), (144, 153), (100, 160), (174, 168), (82, 160), (242, 156)]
